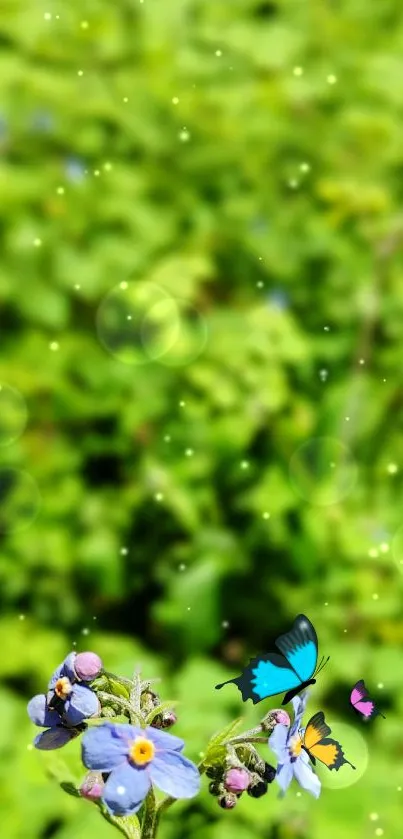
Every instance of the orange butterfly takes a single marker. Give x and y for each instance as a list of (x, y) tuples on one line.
[(319, 746)]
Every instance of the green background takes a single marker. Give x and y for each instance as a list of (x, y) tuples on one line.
[(268, 197)]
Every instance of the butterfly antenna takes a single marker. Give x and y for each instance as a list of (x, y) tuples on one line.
[(318, 666), (322, 665)]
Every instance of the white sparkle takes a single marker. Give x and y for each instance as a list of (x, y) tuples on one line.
[(373, 553), (182, 567), (184, 135), (182, 404), (188, 608), (326, 328), (60, 190), (54, 346), (373, 817), (266, 515), (80, 73), (384, 547), (77, 286), (125, 99), (399, 789), (375, 596), (293, 183), (47, 16), (244, 464), (331, 79), (379, 831), (260, 284), (218, 53), (124, 551), (189, 452), (97, 173), (347, 419), (30, 747), (84, 24), (159, 496), (167, 438), (326, 604), (304, 167), (37, 243), (85, 631), (175, 100), (361, 361), (225, 624), (298, 71), (380, 685), (108, 166), (392, 468), (123, 286), (21, 617), (120, 790)]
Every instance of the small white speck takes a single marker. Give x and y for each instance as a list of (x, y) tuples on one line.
[(326, 328), (326, 604), (379, 831), (218, 53), (124, 551), (362, 361), (260, 284), (182, 567), (225, 624), (304, 167), (375, 596), (37, 243), (120, 790), (175, 100), (159, 496), (331, 79), (323, 374), (384, 547), (60, 190), (85, 631), (298, 795), (167, 438), (344, 630), (84, 24), (30, 749), (80, 72), (399, 789), (97, 173), (54, 346), (293, 183), (298, 71), (21, 617), (107, 166), (347, 419), (125, 99), (123, 286), (189, 452), (392, 468), (373, 553), (380, 685), (77, 286), (245, 464), (266, 515), (373, 817), (182, 404), (47, 16), (184, 135), (188, 608)]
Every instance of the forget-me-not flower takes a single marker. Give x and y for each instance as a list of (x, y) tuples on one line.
[(68, 702), (137, 758), (293, 762)]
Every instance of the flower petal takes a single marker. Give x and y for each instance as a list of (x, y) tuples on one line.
[(126, 789), (39, 713), (164, 741), (278, 740), (66, 668), (284, 776), (82, 704), (175, 775), (307, 778), (299, 705), (106, 746), (55, 738)]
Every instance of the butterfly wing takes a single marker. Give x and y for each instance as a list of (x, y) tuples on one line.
[(265, 676), (362, 702), (322, 747), (300, 647)]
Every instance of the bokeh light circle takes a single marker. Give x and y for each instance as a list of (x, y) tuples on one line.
[(397, 548), (19, 500), (355, 750), (13, 414), (120, 319), (174, 332), (323, 471)]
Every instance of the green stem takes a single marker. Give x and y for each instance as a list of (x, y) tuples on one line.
[(135, 693), (135, 718), (149, 823)]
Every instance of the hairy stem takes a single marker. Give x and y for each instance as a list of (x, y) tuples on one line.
[(150, 822), (135, 717)]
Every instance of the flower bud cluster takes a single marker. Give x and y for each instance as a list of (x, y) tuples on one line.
[(243, 770)]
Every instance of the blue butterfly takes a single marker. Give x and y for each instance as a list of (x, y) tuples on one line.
[(292, 671)]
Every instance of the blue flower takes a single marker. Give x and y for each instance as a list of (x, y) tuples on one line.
[(137, 758), (293, 761), (64, 707)]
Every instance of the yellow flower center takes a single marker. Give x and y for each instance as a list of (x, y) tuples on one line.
[(295, 745), (142, 751), (63, 687)]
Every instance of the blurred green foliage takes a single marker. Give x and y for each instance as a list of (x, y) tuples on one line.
[(245, 156)]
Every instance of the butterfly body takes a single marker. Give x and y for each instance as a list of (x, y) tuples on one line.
[(362, 703), (291, 669), (319, 746)]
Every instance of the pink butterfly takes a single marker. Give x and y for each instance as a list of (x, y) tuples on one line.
[(362, 702)]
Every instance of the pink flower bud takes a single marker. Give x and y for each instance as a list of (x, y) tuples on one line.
[(237, 780), (87, 666), (92, 786), (282, 717)]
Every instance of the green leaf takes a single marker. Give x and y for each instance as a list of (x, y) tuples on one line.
[(216, 748), (69, 787)]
